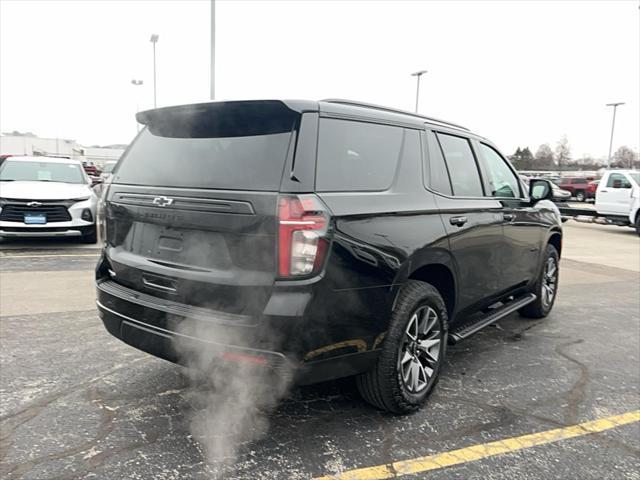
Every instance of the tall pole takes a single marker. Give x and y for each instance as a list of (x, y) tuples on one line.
[(418, 75), (613, 124), (137, 83), (212, 64), (154, 40)]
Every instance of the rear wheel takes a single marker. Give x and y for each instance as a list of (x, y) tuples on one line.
[(412, 353), (545, 288), (580, 196), (638, 222)]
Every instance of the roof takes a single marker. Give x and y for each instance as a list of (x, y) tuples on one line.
[(27, 158), (283, 109)]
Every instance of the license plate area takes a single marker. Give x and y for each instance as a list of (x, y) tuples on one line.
[(35, 218)]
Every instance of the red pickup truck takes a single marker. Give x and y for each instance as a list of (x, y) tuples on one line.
[(577, 186)]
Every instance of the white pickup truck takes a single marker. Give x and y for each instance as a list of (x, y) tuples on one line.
[(617, 200)]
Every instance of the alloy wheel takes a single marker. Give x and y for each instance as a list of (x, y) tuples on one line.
[(549, 282), (420, 349)]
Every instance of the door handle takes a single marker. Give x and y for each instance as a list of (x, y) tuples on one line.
[(603, 191), (458, 221), (508, 216)]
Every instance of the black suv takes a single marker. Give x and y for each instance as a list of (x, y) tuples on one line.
[(320, 240)]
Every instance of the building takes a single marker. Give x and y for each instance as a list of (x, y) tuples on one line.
[(17, 143)]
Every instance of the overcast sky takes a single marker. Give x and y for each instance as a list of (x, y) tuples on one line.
[(520, 73)]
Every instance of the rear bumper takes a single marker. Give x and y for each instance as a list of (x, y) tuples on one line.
[(148, 324)]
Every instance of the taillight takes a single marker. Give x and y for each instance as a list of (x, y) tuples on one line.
[(302, 229)]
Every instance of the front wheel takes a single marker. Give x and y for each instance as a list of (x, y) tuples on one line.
[(91, 236), (412, 353), (580, 196), (545, 288), (638, 223)]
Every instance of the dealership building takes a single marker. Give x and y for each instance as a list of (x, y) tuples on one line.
[(29, 144)]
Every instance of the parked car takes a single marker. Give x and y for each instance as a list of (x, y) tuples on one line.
[(592, 187), (560, 194), (91, 168), (107, 170), (46, 197), (320, 240), (576, 186)]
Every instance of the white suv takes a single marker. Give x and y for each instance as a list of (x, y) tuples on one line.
[(46, 197)]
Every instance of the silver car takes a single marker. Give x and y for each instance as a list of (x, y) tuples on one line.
[(46, 197)]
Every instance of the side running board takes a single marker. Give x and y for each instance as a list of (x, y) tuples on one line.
[(468, 329)]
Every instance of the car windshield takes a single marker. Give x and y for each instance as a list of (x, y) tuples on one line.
[(108, 167), (15, 170), (635, 176)]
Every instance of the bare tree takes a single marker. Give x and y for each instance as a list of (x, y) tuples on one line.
[(544, 157), (625, 158), (563, 152)]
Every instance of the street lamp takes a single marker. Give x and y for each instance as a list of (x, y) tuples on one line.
[(212, 61), (613, 124), (137, 83), (418, 75), (154, 40)]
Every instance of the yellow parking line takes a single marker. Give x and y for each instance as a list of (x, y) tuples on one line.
[(484, 450)]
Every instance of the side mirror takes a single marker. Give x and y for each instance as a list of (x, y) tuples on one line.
[(96, 181), (540, 189)]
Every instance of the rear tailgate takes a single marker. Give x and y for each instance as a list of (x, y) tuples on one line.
[(191, 213)]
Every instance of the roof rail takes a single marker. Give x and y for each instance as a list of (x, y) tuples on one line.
[(392, 110)]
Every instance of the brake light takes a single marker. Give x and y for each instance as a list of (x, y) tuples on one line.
[(302, 228)]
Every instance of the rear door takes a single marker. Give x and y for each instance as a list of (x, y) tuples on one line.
[(614, 195), (523, 225), (191, 212), (472, 221)]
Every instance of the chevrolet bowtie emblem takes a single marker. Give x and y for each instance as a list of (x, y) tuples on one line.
[(162, 201)]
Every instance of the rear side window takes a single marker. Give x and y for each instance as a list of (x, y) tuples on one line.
[(463, 170), (435, 172), (579, 181), (356, 156)]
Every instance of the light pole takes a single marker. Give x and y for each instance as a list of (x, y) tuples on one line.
[(154, 40), (613, 124), (418, 75), (137, 83), (212, 65)]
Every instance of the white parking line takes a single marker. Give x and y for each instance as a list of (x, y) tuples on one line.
[(52, 255)]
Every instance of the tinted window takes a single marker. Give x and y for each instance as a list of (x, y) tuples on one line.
[(238, 163), (579, 181), (503, 181), (436, 175), (618, 180), (463, 170), (15, 170), (356, 156)]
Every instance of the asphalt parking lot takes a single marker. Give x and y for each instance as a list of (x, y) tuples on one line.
[(77, 403)]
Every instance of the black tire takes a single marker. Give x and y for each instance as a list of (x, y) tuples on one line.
[(91, 237), (638, 222), (580, 196), (541, 307), (383, 386)]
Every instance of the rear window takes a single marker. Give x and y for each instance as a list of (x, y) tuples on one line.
[(235, 163), (356, 156), (222, 145)]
